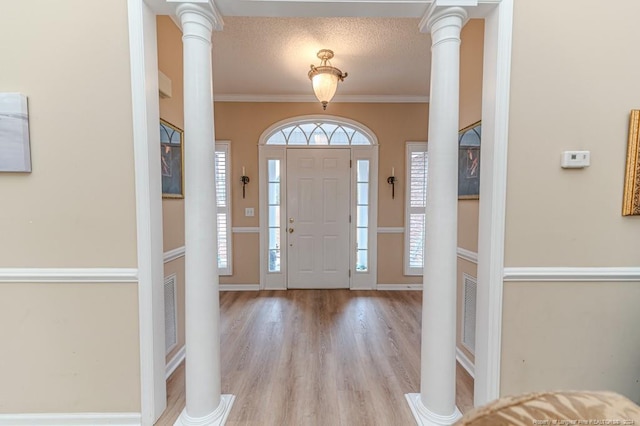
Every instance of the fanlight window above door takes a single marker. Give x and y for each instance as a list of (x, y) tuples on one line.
[(318, 134)]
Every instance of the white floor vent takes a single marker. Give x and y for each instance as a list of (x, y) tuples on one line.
[(469, 290), (170, 317)]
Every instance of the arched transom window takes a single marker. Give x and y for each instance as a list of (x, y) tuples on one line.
[(318, 133)]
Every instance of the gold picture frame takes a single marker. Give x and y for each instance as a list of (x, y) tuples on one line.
[(171, 160), (631, 199)]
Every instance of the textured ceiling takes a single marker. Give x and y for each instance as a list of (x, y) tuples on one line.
[(263, 56)]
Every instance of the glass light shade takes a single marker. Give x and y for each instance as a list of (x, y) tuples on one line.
[(325, 86)]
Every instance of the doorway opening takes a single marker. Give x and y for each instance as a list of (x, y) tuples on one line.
[(319, 186)]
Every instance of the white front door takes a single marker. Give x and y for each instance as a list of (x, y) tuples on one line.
[(318, 197)]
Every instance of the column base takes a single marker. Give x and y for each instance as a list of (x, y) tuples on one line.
[(425, 417), (217, 418)]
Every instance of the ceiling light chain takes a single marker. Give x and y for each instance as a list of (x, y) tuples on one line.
[(325, 77)]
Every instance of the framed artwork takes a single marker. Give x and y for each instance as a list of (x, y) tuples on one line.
[(469, 162), (631, 199), (171, 153), (15, 153)]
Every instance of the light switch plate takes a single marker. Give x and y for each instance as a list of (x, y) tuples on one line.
[(249, 212)]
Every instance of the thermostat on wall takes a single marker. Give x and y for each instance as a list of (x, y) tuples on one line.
[(575, 159)]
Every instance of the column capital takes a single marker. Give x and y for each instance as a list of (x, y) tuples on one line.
[(439, 9), (205, 9)]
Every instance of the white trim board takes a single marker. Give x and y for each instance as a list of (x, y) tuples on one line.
[(312, 99), (68, 275), (468, 255), (391, 287), (569, 274), (71, 419), (173, 254), (465, 362), (390, 230), (175, 361), (239, 287), (245, 230)]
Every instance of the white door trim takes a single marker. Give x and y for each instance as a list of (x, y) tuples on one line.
[(146, 116), (359, 280), (493, 189)]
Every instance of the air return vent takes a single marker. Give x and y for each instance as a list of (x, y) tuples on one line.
[(170, 320), (469, 290)]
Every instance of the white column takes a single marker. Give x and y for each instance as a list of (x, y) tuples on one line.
[(204, 403), (435, 405)]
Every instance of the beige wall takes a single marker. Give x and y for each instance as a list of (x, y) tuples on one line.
[(393, 124), (69, 347), (171, 110), (574, 80), (471, 51), (77, 208), (565, 335)]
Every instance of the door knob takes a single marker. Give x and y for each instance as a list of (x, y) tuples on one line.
[(291, 230)]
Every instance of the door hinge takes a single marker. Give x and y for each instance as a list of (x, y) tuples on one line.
[(349, 218), (350, 163), (349, 273)]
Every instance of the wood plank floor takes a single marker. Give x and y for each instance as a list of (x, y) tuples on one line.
[(319, 357)]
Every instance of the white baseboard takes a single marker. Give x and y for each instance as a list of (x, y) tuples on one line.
[(466, 363), (387, 287), (580, 274), (239, 287), (71, 419), (68, 275), (175, 361)]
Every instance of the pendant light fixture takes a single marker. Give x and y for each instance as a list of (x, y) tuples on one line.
[(325, 78)]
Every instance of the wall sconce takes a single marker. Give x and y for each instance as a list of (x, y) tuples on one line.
[(245, 180), (392, 181)]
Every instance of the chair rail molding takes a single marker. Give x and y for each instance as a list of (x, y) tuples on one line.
[(68, 275), (571, 274)]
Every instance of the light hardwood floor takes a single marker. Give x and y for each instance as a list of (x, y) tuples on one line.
[(319, 357)]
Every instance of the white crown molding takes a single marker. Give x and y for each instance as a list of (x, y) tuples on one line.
[(396, 99), (571, 274), (175, 361), (68, 275), (173, 254), (245, 230), (71, 419), (239, 287), (391, 230), (465, 362), (468, 255), (391, 287)]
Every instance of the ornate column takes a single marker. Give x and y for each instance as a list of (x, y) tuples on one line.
[(435, 404), (205, 405)]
